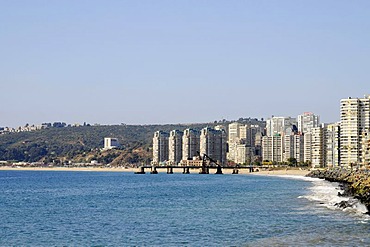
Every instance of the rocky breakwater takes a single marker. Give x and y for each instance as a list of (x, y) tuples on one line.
[(355, 183)]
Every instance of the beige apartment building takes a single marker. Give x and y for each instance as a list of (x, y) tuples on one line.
[(318, 147), (175, 147), (272, 148), (214, 144), (190, 144), (354, 124), (160, 147), (242, 140), (294, 147)]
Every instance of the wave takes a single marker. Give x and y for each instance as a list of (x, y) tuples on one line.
[(327, 194)]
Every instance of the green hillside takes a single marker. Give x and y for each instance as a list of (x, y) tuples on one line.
[(83, 144)]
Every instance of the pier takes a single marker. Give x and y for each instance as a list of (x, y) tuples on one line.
[(197, 169)]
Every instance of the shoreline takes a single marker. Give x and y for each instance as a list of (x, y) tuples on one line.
[(290, 172), (355, 183)]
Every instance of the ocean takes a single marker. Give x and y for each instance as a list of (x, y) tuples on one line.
[(55, 208)]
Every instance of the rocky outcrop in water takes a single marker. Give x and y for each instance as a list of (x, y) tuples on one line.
[(354, 183)]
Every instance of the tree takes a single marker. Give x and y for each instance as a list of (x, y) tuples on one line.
[(292, 162)]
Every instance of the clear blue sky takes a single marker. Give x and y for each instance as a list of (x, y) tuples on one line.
[(143, 62)]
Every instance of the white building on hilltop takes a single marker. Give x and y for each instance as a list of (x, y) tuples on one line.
[(110, 143)]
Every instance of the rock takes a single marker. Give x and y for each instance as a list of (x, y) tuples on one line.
[(353, 183)]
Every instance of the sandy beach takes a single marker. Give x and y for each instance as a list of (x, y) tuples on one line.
[(275, 172), (290, 172)]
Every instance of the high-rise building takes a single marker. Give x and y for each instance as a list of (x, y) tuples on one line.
[(213, 143), (272, 148), (318, 147), (294, 147), (243, 134), (234, 132), (190, 144), (322, 145), (331, 142), (244, 154), (354, 124), (279, 125), (307, 121), (233, 139), (307, 146), (160, 147), (248, 134), (366, 147), (175, 147)]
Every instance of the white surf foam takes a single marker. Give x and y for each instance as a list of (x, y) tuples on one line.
[(326, 194)]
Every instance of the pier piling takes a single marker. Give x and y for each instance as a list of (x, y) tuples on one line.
[(186, 170), (219, 170), (141, 170), (154, 170)]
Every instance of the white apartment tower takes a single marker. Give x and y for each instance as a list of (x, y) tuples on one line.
[(272, 148), (279, 125), (175, 147), (234, 132), (318, 147), (213, 143), (307, 121), (354, 124), (294, 147), (160, 147), (190, 144), (233, 139), (244, 154), (331, 142), (307, 146)]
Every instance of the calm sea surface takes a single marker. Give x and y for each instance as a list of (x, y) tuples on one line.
[(124, 209)]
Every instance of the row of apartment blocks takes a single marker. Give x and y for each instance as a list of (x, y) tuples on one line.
[(345, 143), (319, 146), (184, 147), (282, 139)]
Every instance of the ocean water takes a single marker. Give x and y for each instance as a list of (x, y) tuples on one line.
[(124, 209)]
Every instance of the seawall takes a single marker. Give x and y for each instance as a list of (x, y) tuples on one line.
[(355, 183)]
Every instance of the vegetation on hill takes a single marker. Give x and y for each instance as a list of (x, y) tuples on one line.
[(83, 144)]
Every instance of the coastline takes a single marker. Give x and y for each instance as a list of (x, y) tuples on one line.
[(290, 172), (355, 183)]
